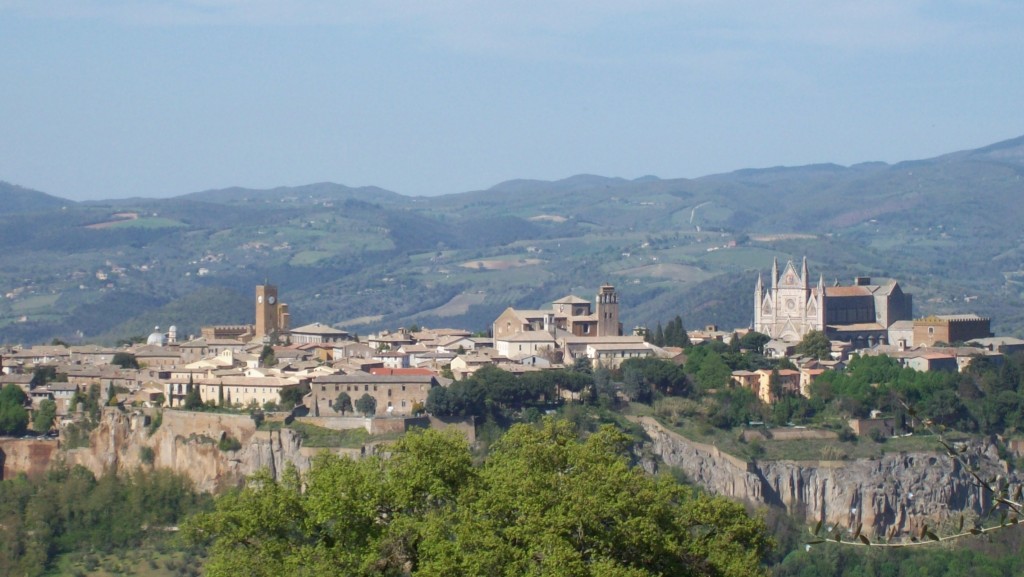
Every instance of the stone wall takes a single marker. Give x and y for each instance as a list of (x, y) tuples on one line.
[(187, 442)]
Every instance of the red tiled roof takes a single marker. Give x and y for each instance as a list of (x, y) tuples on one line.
[(847, 291), (397, 372)]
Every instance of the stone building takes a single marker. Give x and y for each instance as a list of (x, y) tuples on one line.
[(569, 314), (790, 307), (950, 329), (395, 394)]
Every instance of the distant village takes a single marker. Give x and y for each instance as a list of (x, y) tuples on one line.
[(256, 366)]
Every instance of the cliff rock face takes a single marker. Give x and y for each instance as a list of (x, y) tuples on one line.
[(187, 442), (894, 495)]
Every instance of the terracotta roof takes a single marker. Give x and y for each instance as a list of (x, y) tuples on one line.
[(399, 372), (318, 329), (529, 336), (847, 291), (571, 299), (374, 379)]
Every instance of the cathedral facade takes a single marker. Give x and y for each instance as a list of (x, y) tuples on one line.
[(790, 307), (862, 314)]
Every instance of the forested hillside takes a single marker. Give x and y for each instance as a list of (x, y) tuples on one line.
[(946, 228)]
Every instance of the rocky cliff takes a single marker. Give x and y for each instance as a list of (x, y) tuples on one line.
[(893, 495), (185, 442)]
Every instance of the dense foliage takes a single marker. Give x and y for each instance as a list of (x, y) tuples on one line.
[(491, 390), (672, 335), (998, 557), (71, 510), (13, 416), (543, 503)]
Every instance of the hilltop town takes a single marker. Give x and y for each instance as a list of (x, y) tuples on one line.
[(823, 379), (269, 365)]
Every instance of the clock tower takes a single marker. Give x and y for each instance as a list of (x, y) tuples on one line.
[(271, 315)]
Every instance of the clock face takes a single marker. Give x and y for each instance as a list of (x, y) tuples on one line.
[(271, 299), (259, 299)]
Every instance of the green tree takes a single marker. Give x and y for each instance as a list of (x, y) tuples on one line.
[(343, 404), (543, 503), (13, 416), (43, 418), (754, 341), (293, 396), (42, 375), (367, 405), (267, 358), (193, 400), (815, 344), (125, 360)]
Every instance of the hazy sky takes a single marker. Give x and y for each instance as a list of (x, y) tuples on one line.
[(107, 98)]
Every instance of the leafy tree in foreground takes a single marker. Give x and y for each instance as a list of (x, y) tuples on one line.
[(543, 504)]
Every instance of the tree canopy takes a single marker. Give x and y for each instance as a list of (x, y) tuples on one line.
[(13, 416), (543, 503), (367, 405), (815, 344)]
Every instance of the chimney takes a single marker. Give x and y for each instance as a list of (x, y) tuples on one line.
[(862, 281)]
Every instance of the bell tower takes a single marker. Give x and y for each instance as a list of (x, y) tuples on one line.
[(608, 312), (267, 318)]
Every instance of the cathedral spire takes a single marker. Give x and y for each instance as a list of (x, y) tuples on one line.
[(758, 290), (775, 272), (805, 277)]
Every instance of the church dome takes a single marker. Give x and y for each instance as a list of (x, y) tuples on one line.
[(156, 338)]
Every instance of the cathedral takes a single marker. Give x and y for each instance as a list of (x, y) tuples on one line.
[(861, 314), (791, 307)]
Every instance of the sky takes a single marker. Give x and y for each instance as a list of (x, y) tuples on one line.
[(106, 99)]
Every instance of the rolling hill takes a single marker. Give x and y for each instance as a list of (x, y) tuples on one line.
[(946, 227)]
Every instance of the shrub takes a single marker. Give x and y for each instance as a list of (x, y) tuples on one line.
[(147, 455), (154, 424), (229, 443)]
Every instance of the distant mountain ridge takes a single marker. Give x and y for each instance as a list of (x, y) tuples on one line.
[(947, 228), (16, 199)]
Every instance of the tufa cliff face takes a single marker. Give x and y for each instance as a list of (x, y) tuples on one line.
[(185, 442), (894, 495)]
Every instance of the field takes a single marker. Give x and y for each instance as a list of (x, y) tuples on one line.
[(501, 264), (149, 560), (458, 305)]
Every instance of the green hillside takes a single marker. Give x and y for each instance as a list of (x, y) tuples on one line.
[(368, 258)]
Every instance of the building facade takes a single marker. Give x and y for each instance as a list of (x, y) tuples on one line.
[(790, 307)]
